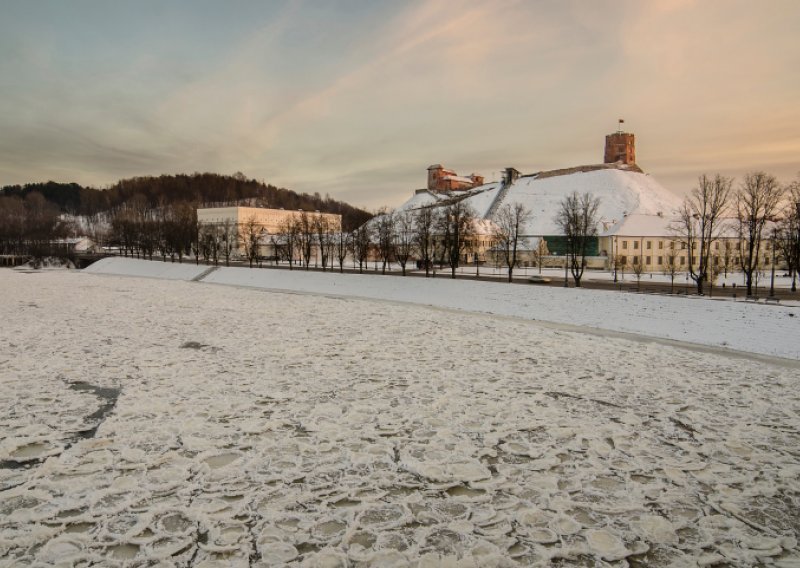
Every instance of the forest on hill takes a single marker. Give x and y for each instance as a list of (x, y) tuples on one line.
[(154, 212), (198, 190)]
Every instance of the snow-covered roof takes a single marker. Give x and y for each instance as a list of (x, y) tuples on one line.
[(418, 200), (642, 225), (484, 227)]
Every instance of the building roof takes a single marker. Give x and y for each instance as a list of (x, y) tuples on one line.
[(642, 225)]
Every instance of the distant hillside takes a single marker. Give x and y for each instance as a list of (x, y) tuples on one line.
[(198, 189)]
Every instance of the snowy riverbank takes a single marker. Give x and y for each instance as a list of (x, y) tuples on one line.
[(742, 326)]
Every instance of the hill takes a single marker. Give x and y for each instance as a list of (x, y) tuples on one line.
[(197, 189), (622, 191)]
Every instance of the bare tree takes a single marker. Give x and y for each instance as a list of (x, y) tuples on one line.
[(700, 223), (671, 265), (324, 235), (12, 225), (384, 233), (457, 232), (424, 239), (788, 233), (173, 228), (621, 262), (638, 270), (509, 223), (577, 219), (251, 239), (361, 242), (727, 257), (197, 243), (229, 233), (185, 217), (403, 238), (304, 231), (41, 224), (757, 202), (210, 237), (285, 242), (342, 245)]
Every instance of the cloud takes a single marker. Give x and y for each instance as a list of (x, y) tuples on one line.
[(359, 99)]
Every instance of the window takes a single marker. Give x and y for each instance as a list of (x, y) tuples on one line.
[(694, 260), (635, 245), (649, 245), (624, 245), (683, 246), (623, 260), (635, 260), (647, 260), (660, 260), (683, 261), (716, 246), (660, 245), (672, 245)]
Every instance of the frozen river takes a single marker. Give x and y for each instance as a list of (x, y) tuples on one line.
[(207, 425)]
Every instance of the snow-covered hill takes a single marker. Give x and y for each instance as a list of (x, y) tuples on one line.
[(621, 192)]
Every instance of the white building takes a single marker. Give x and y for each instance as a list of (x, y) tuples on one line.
[(269, 222)]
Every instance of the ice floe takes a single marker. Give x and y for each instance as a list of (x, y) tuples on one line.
[(146, 422)]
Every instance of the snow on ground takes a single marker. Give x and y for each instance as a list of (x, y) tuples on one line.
[(147, 268), (755, 328), (146, 420)]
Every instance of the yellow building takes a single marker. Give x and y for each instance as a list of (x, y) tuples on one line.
[(656, 243), (270, 223)]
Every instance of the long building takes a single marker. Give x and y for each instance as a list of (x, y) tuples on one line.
[(270, 223)]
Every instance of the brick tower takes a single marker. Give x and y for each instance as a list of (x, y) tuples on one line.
[(620, 147)]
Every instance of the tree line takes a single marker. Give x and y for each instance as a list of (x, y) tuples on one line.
[(758, 210), (33, 215), (435, 236)]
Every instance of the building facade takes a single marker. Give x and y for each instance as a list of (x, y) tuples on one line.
[(270, 223), (620, 148), (654, 243)]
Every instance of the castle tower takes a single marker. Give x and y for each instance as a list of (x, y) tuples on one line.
[(435, 173), (620, 147)]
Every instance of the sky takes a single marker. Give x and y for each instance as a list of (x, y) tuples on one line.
[(357, 98)]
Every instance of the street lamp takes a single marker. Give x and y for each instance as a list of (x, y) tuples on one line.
[(614, 256), (566, 263)]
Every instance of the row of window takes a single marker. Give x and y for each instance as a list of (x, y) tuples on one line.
[(634, 260), (648, 245)]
